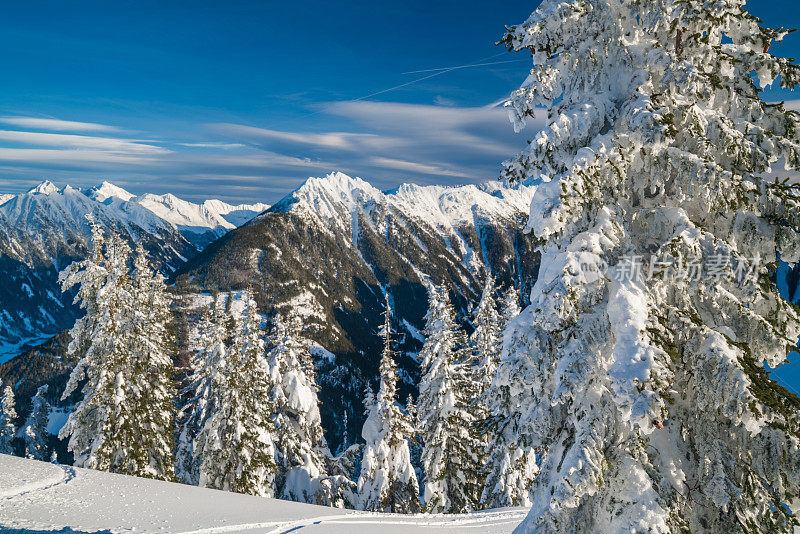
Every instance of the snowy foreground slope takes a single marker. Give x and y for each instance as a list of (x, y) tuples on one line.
[(39, 497)]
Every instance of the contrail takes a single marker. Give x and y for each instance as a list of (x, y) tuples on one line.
[(437, 72), (448, 69)]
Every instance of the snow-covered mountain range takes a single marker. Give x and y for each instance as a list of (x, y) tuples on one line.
[(46, 206), (328, 251), (333, 248), (45, 229)]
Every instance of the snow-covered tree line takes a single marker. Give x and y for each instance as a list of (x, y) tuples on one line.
[(248, 417), (636, 375), (251, 423), (461, 469), (34, 434)]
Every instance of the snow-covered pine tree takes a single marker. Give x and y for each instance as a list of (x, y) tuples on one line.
[(509, 473), (485, 339), (301, 445), (89, 275), (101, 341), (201, 391), (234, 443), (115, 426), (452, 449), (34, 433), (509, 308), (7, 416), (149, 410), (387, 482), (511, 463), (646, 392)]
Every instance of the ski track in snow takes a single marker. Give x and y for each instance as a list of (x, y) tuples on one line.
[(417, 521), (42, 497), (66, 474)]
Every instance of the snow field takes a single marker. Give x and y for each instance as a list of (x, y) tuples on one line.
[(37, 496)]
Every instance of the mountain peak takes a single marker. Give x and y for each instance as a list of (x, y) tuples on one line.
[(45, 188), (322, 194), (108, 190), (338, 182)]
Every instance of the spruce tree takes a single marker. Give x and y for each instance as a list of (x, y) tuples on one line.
[(509, 308), (485, 339), (638, 367), (452, 454), (7, 416), (301, 446), (151, 404), (387, 482), (101, 341), (124, 422), (511, 463), (34, 433), (201, 391), (233, 448)]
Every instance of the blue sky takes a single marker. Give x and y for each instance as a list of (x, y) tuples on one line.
[(244, 100)]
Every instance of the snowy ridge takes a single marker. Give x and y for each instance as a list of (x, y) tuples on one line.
[(442, 206), (47, 207), (338, 199), (45, 229), (32, 497), (237, 214)]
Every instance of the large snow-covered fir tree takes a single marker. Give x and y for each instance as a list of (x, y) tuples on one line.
[(7, 416), (233, 449), (452, 449), (387, 482), (34, 433), (301, 445), (637, 369), (123, 423)]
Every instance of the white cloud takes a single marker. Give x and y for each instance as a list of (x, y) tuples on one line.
[(483, 130), (89, 158), (223, 146), (79, 141), (385, 142), (331, 140), (420, 168), (57, 125)]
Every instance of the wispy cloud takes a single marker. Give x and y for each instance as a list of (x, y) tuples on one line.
[(421, 168), (80, 141), (223, 146), (57, 125), (81, 159), (333, 140), (385, 142)]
